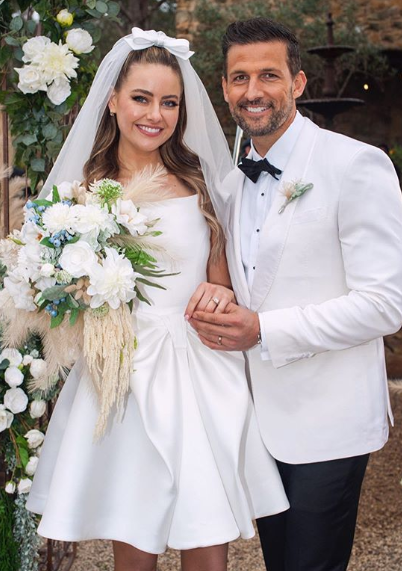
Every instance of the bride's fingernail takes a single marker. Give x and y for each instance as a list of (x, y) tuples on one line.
[(186, 317)]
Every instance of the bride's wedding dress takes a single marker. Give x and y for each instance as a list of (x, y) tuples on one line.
[(186, 466)]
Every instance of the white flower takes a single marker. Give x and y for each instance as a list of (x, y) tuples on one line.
[(34, 438), (57, 62), (38, 451), (31, 79), (79, 41), (9, 253), (30, 261), (65, 18), (10, 487), (30, 468), (93, 217), (30, 232), (13, 355), (15, 400), (38, 368), (20, 291), (128, 216), (47, 270), (59, 217), (24, 485), (65, 190), (6, 418), (59, 90), (44, 283), (34, 47), (13, 377), (113, 282), (27, 360), (77, 259), (37, 408)]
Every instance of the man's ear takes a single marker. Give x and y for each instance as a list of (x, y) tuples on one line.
[(225, 88), (299, 83)]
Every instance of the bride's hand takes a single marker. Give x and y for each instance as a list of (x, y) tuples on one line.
[(210, 298)]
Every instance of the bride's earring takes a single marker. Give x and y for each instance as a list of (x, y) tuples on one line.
[(111, 113)]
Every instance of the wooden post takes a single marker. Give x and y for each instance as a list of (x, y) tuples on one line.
[(5, 159)]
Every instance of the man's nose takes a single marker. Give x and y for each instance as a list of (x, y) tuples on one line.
[(254, 90)]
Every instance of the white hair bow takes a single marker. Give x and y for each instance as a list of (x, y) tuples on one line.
[(142, 39)]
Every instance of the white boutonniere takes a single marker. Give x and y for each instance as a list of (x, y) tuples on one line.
[(292, 190)]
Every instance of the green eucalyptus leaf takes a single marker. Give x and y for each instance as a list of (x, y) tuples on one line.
[(24, 455), (5, 55), (46, 242), (55, 194), (113, 8), (50, 131), (29, 139), (31, 26), (16, 24), (54, 292), (91, 4), (18, 54), (94, 13), (101, 7), (38, 165)]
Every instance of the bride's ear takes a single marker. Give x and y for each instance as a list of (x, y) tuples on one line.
[(112, 103)]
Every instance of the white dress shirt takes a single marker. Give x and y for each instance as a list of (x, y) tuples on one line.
[(257, 200)]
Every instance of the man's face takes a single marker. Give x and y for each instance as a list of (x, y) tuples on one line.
[(260, 89)]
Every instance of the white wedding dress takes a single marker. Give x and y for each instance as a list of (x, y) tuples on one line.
[(186, 466)]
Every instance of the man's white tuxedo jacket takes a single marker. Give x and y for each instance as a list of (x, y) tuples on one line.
[(327, 286)]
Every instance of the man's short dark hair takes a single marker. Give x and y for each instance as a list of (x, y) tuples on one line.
[(261, 30)]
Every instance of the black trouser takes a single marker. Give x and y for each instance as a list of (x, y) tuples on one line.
[(316, 533)]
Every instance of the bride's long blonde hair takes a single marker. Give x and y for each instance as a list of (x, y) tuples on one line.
[(178, 159)]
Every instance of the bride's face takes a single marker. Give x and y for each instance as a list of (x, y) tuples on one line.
[(147, 107)]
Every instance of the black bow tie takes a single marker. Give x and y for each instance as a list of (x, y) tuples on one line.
[(253, 169)]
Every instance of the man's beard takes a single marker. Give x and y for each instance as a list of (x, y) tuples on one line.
[(265, 125)]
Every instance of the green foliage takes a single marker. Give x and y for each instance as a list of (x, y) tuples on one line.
[(396, 155), (306, 18), (39, 127), (8, 545)]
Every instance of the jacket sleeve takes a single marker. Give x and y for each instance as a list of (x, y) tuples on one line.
[(370, 234)]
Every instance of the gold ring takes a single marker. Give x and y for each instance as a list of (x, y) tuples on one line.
[(220, 340), (215, 300)]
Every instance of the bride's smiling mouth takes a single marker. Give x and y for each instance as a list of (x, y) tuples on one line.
[(149, 131)]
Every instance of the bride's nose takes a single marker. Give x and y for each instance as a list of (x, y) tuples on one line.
[(154, 112)]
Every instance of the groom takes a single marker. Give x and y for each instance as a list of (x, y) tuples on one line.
[(314, 227)]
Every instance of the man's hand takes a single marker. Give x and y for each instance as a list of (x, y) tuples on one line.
[(235, 330)]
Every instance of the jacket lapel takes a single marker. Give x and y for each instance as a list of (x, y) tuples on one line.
[(233, 247), (276, 226)]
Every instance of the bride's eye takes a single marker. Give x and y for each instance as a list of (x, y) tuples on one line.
[(170, 103), (139, 99)]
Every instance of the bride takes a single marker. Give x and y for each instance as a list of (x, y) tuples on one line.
[(185, 467)]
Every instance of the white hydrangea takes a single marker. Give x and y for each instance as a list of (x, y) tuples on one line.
[(112, 282)]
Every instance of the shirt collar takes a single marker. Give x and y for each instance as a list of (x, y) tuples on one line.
[(281, 150)]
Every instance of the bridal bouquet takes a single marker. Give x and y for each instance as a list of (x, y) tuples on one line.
[(72, 273)]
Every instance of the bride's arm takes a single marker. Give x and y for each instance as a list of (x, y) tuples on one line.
[(215, 294)]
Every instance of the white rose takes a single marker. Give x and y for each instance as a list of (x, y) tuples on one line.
[(47, 270), (34, 437), (20, 291), (27, 360), (79, 41), (59, 90), (31, 79), (38, 368), (13, 377), (6, 418), (10, 487), (24, 485), (65, 18), (16, 400), (12, 355), (30, 468), (34, 47), (65, 190), (77, 259), (128, 216), (37, 408)]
